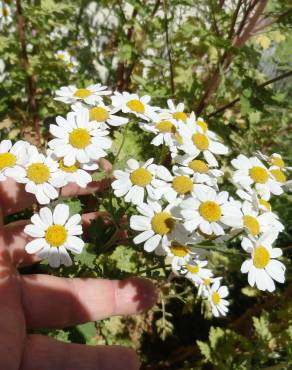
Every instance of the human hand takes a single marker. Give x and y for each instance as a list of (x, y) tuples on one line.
[(43, 301)]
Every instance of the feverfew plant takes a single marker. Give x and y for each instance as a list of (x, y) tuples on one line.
[(175, 206)]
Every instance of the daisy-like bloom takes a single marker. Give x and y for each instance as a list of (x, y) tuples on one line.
[(65, 57), (54, 233), (251, 171), (158, 226), (262, 267), (12, 159), (42, 176), (5, 14), (89, 95), (217, 295), (164, 129), (78, 139), (195, 141), (132, 103), (176, 111), (77, 173), (200, 171), (256, 223), (210, 211), (195, 271), (102, 115), (137, 180), (177, 185), (179, 253), (259, 204), (204, 286)]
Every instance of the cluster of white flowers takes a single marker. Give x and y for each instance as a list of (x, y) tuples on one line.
[(182, 214)]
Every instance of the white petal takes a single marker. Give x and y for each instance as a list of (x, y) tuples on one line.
[(143, 236), (54, 257), (74, 244), (35, 246), (46, 216), (64, 256), (61, 214), (34, 231), (152, 243)]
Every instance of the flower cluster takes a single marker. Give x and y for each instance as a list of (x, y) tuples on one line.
[(181, 213)]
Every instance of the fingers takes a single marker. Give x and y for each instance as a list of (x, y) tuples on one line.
[(14, 198), (47, 353), (52, 302)]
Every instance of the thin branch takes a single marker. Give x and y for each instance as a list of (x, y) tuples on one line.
[(31, 79), (234, 19), (234, 101), (168, 48)]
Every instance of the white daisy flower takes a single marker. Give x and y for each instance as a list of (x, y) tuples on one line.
[(176, 111), (217, 299), (164, 129), (55, 233), (90, 95), (262, 267), (200, 171), (177, 185), (102, 115), (251, 171), (158, 226), (137, 180), (179, 253), (132, 103), (258, 204), (195, 271), (63, 55), (256, 223), (204, 286), (209, 211), (78, 139), (12, 159), (5, 14), (42, 176), (196, 141)]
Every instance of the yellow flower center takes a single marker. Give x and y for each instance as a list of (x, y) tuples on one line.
[(79, 138), (210, 211), (7, 160), (98, 114), (56, 235), (179, 139), (39, 173), (265, 204), (207, 281), (82, 93), (162, 223), (141, 177), (203, 125), (259, 174), (200, 141), (252, 224), (69, 169), (278, 161), (261, 257), (61, 56), (136, 106), (166, 126), (179, 250), (182, 184), (216, 298), (198, 166), (5, 12), (279, 175), (193, 269), (180, 116)]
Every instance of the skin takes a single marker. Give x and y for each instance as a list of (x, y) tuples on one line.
[(43, 301)]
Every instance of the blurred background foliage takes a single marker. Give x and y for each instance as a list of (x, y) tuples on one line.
[(230, 62)]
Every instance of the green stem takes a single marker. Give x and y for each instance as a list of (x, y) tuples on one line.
[(121, 146)]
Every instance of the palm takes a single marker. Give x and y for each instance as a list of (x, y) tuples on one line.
[(43, 301)]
